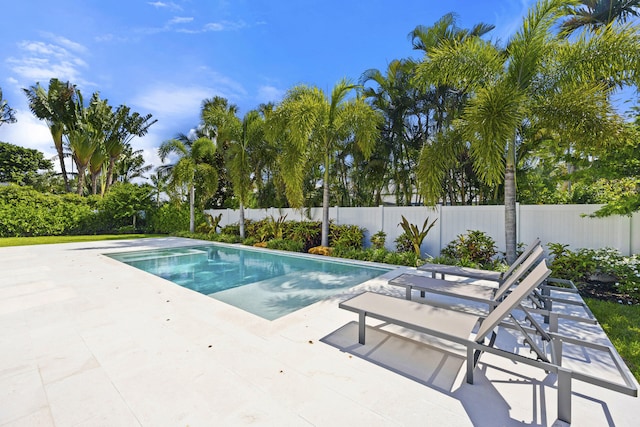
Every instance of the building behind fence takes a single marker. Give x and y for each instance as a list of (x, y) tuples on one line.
[(566, 224)]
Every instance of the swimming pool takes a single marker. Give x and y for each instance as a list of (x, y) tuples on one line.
[(264, 283)]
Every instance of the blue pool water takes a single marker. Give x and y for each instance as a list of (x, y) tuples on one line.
[(267, 284)]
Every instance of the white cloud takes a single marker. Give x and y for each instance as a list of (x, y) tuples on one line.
[(181, 20), (169, 101), (41, 61), (65, 42), (225, 26), (269, 93), (165, 5)]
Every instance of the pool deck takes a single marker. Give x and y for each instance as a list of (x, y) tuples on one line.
[(89, 341)]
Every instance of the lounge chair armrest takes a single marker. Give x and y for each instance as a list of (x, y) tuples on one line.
[(567, 285)]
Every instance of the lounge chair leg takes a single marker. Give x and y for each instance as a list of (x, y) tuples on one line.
[(547, 303), (556, 351), (564, 395), (361, 327), (553, 322), (470, 364)]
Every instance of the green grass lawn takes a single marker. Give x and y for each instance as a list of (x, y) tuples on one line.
[(43, 240), (622, 325)]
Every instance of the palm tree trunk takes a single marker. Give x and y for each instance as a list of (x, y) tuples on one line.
[(192, 212), (241, 220), (510, 204), (57, 140), (325, 203), (81, 173), (94, 183), (112, 162)]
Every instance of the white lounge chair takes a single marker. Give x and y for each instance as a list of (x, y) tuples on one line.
[(459, 327), (475, 273)]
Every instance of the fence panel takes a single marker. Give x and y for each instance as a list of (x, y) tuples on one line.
[(565, 224)]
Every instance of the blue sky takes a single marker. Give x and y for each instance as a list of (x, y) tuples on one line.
[(164, 57)]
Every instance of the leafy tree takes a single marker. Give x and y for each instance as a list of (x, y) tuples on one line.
[(86, 134), (7, 114), (56, 107), (312, 125), (130, 165), (219, 121), (599, 13), (193, 169), (159, 185), (539, 79), (241, 158), (21, 165), (124, 205), (123, 126), (393, 160)]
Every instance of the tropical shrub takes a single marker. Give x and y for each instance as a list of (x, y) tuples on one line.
[(285, 245), (347, 236), (27, 212), (231, 229), (250, 241), (475, 248), (378, 239), (618, 274), (170, 218), (125, 207), (321, 250), (403, 243), (415, 235), (307, 232)]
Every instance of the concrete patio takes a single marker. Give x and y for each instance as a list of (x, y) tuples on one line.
[(89, 341)]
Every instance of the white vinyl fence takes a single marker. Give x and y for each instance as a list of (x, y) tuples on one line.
[(567, 224)]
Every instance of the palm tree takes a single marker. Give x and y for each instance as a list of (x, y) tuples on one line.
[(241, 158), (540, 80), (599, 13), (130, 165), (7, 114), (98, 160), (124, 125), (159, 185), (398, 101), (311, 124), (55, 106), (193, 169), (86, 134)]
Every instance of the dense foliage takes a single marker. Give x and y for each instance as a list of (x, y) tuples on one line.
[(599, 272), (27, 212), (474, 249), (21, 165)]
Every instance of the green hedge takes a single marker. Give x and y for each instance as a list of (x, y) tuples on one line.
[(27, 212)]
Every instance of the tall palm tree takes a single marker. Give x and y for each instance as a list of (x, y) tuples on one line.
[(310, 124), (599, 13), (7, 114), (97, 163), (123, 126), (193, 169), (56, 106), (240, 159), (539, 79), (86, 134), (130, 165), (397, 100)]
